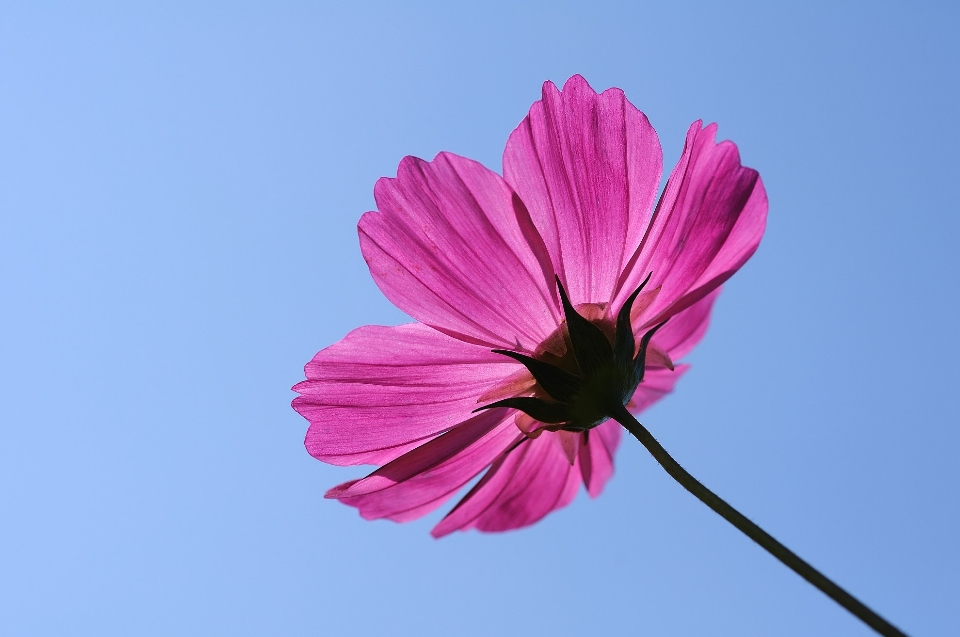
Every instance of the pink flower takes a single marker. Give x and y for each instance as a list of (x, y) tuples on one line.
[(474, 257)]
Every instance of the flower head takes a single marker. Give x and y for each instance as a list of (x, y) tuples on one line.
[(541, 297)]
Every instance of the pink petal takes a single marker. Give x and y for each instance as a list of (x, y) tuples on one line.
[(658, 357), (685, 329), (656, 384), (588, 167), (708, 223), (454, 247), (569, 442), (596, 456), (384, 390), (421, 480), (520, 488)]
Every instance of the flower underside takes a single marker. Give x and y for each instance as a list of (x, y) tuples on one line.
[(608, 374)]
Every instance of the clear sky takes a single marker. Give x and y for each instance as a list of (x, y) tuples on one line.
[(179, 190)]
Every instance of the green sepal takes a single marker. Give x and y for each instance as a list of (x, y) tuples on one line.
[(558, 383), (536, 408), (590, 345), (624, 341), (640, 362)]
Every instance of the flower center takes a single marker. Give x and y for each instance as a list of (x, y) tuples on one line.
[(591, 377)]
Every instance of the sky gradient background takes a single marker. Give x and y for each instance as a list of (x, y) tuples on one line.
[(179, 191)]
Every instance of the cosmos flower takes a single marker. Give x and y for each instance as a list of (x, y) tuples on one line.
[(530, 291)]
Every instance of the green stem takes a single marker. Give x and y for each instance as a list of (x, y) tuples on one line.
[(751, 530)]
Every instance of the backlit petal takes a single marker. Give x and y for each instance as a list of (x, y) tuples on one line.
[(588, 168), (453, 246), (684, 330), (596, 457), (519, 489), (384, 390), (422, 479), (657, 383), (708, 223)]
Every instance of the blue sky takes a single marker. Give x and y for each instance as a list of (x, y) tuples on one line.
[(179, 190)]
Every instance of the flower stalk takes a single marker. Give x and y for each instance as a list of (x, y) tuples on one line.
[(751, 530)]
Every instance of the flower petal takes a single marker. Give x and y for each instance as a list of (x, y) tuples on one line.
[(521, 487), (453, 246), (384, 390), (685, 329), (588, 168), (569, 442), (421, 480), (596, 457), (657, 383), (708, 223)]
